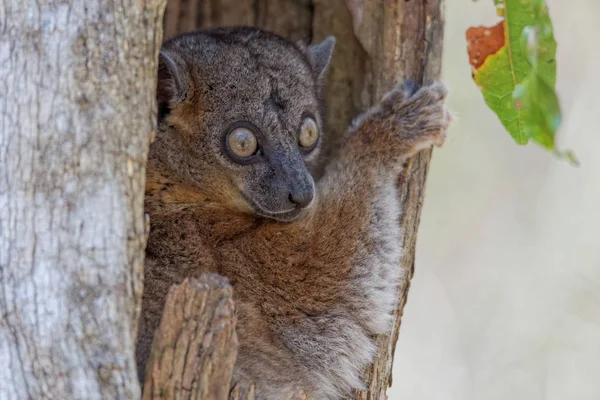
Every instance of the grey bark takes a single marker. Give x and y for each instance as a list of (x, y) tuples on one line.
[(77, 110)]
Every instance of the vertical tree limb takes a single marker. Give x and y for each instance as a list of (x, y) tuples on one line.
[(77, 101)]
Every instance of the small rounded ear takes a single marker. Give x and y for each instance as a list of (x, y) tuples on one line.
[(320, 54), (172, 81)]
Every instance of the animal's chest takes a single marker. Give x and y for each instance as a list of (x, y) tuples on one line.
[(305, 270), (311, 272), (338, 342)]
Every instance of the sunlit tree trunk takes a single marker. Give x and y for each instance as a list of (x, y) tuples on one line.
[(77, 111)]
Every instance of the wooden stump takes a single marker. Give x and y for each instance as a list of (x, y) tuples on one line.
[(195, 346)]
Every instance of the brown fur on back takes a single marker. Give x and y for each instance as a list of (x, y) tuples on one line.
[(311, 292)]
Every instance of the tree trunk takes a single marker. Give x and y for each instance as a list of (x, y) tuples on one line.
[(77, 110), (379, 42)]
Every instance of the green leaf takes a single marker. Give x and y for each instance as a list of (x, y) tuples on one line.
[(514, 65)]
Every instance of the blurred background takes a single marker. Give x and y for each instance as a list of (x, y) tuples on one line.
[(505, 301)]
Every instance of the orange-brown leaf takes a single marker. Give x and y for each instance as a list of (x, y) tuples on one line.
[(483, 41)]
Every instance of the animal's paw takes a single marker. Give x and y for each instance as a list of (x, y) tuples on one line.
[(418, 113)]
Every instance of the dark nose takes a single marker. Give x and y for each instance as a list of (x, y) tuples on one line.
[(301, 198)]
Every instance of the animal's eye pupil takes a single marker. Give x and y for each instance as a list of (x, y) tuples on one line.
[(309, 133), (242, 142)]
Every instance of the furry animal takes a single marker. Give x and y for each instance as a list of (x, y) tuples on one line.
[(232, 188)]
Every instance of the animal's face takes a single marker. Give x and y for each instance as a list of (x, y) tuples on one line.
[(246, 113)]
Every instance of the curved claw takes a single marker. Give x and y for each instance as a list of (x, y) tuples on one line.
[(410, 87)]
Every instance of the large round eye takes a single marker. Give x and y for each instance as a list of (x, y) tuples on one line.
[(242, 142), (309, 133)]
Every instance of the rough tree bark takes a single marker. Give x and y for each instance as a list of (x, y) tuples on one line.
[(194, 348), (379, 42), (77, 101)]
